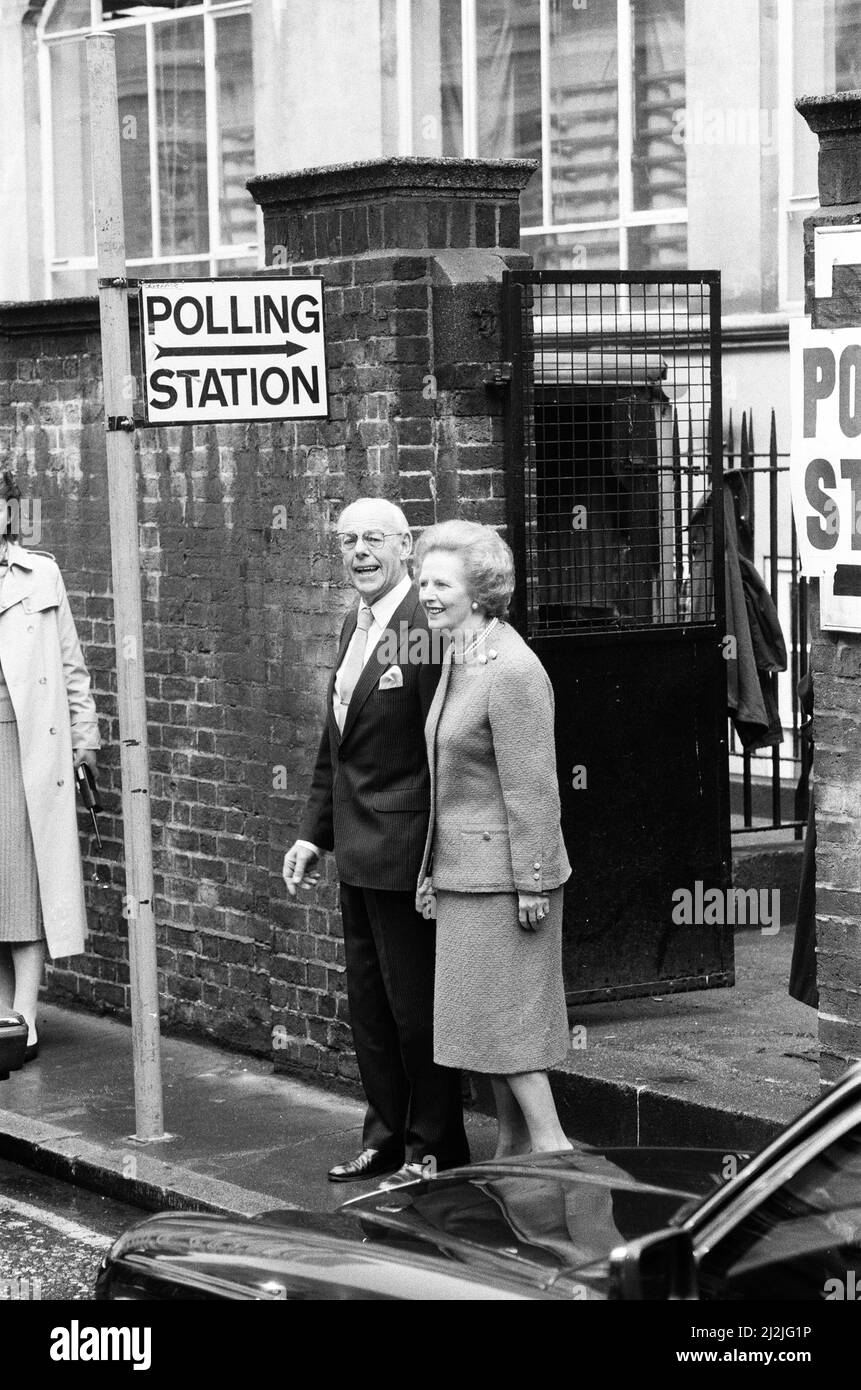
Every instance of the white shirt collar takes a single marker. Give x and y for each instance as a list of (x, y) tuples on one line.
[(384, 607)]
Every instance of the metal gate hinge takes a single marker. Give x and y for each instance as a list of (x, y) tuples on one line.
[(498, 375)]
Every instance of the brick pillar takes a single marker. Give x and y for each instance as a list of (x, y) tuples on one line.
[(412, 252), (836, 657)]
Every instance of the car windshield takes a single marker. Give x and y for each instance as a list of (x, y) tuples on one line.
[(803, 1241)]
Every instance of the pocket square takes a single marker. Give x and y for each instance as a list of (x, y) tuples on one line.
[(392, 679)]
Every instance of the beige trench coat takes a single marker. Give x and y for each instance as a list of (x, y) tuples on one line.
[(50, 693)]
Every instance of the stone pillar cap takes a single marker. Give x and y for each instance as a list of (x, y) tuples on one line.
[(829, 115), (372, 179)]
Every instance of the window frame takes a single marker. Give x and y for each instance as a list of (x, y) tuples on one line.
[(628, 217), (789, 202), (216, 255)]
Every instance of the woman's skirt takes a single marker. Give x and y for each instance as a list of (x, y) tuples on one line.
[(499, 1000), (20, 911)]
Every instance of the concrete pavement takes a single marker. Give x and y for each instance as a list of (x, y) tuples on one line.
[(723, 1068)]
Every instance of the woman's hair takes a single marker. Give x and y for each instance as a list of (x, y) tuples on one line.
[(9, 492), (487, 561)]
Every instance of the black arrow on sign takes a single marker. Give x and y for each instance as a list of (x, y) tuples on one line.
[(271, 349)]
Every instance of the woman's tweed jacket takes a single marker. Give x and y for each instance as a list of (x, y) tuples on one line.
[(494, 824)]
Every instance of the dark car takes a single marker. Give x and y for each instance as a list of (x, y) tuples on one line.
[(589, 1224), (13, 1043)]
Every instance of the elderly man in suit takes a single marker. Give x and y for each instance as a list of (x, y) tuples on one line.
[(370, 802)]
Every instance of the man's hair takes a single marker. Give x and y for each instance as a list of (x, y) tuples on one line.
[(487, 561), (391, 509)]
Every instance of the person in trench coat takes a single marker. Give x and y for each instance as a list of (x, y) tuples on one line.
[(48, 726)]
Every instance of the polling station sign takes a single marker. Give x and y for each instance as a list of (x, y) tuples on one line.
[(825, 368), (825, 465), (233, 349)]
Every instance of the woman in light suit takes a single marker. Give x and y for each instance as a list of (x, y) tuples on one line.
[(48, 726), (494, 861)]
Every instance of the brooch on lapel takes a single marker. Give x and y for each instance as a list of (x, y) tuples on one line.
[(392, 679)]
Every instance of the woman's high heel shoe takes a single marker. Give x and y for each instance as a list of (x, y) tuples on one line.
[(32, 1052)]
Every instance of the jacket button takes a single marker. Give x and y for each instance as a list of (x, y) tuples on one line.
[(52, 731), (30, 627), (486, 835), (536, 873), (43, 680), (493, 654), (61, 781), (537, 864)]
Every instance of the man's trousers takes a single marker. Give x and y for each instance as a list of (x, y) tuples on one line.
[(415, 1110)]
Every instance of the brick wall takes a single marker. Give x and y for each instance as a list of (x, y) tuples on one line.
[(243, 591), (835, 660), (836, 663)]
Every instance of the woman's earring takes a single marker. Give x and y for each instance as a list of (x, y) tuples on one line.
[(475, 607)]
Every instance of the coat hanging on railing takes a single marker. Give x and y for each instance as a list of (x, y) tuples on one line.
[(757, 649)]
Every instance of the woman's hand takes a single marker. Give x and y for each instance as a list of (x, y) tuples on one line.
[(426, 899), (88, 756), (532, 909)]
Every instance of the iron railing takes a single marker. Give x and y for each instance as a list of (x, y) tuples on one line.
[(773, 774)]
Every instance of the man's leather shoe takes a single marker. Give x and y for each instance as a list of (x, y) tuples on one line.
[(370, 1163), (409, 1172)]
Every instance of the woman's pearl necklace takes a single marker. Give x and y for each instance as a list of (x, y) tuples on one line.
[(480, 638)]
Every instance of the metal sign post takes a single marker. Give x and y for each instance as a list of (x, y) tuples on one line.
[(119, 394)]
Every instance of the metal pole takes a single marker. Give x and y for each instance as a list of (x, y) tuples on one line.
[(119, 394)]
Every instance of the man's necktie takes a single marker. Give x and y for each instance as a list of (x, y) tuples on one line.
[(353, 663)]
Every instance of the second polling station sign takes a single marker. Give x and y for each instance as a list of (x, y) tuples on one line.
[(233, 349), (825, 470)]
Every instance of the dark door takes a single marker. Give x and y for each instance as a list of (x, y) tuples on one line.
[(615, 449)]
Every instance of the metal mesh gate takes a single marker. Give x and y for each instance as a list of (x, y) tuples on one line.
[(616, 518), (617, 380)]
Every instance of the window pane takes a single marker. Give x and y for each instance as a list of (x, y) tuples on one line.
[(69, 14), (73, 188), (451, 79), (813, 74), (181, 134), (658, 248), (237, 265), (237, 216), (584, 112), (509, 89), (826, 58), (847, 46), (437, 78), (179, 270), (134, 139), (574, 250), (70, 284), (659, 94), (802, 1242)]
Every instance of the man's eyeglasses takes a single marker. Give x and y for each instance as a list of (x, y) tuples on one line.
[(374, 540)]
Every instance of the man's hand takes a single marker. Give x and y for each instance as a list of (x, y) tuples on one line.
[(297, 860), (532, 909), (426, 899), (88, 756)]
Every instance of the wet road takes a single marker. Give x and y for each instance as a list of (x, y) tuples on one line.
[(53, 1235)]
